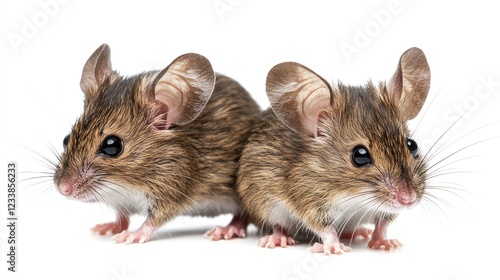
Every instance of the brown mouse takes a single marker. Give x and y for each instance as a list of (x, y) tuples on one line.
[(160, 144), (329, 160)]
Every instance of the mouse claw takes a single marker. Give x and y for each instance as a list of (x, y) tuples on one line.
[(362, 232), (130, 239), (336, 248), (126, 237), (225, 232), (386, 244), (142, 240), (110, 228), (236, 227), (278, 238)]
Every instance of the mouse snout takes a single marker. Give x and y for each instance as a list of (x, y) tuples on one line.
[(406, 197), (66, 189), (74, 190), (73, 187)]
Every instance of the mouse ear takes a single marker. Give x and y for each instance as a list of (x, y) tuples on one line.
[(298, 96), (410, 83), (96, 70), (183, 89)]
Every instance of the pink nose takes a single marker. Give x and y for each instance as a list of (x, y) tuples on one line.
[(407, 198), (66, 189)]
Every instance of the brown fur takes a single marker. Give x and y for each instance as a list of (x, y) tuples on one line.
[(175, 168), (293, 177), (307, 174)]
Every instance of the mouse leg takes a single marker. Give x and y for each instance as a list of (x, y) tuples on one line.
[(236, 227), (121, 224), (279, 237), (362, 232), (331, 244), (143, 234), (379, 238)]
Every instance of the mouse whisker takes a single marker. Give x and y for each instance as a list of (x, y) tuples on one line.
[(45, 160), (351, 198), (431, 153), (450, 187), (441, 169), (359, 207), (345, 222), (41, 181), (434, 206), (445, 202), (424, 113), (170, 186), (428, 156), (120, 209), (450, 171), (456, 152), (108, 194)]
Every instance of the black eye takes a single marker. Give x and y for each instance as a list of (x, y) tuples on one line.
[(111, 146), (360, 156), (412, 146), (65, 141)]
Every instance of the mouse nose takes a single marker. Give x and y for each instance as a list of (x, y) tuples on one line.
[(66, 189), (406, 198)]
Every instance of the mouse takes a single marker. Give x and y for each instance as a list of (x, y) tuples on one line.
[(330, 162), (160, 144)]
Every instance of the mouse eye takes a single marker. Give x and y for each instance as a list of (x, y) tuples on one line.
[(412, 146), (65, 141), (360, 156), (111, 146)]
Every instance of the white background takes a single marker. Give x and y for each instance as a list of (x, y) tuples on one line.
[(44, 45)]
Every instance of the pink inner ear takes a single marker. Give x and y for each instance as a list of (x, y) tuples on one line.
[(313, 107), (169, 97), (161, 116), (322, 115)]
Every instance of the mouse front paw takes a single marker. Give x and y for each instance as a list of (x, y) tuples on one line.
[(362, 232), (278, 238), (127, 237), (113, 228), (387, 244), (227, 233), (236, 227), (331, 244), (143, 234), (336, 248)]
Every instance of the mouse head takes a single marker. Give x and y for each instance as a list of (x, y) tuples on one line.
[(358, 134), (126, 121)]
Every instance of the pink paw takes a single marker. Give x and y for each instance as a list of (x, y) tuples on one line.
[(113, 228), (336, 248), (142, 235), (277, 238), (127, 237), (364, 233), (227, 233), (387, 244)]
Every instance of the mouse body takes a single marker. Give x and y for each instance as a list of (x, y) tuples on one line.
[(159, 144), (329, 161)]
